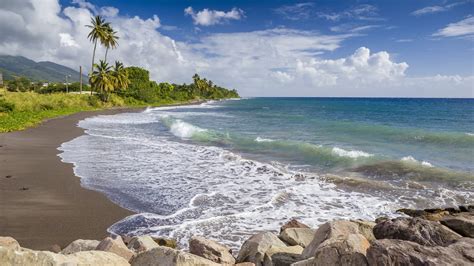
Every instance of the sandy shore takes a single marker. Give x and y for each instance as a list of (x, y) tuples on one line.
[(41, 200)]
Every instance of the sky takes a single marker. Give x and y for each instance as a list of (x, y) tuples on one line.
[(404, 48)]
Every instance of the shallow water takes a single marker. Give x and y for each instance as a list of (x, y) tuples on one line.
[(229, 169)]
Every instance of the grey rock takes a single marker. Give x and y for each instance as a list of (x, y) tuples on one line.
[(293, 223), (26, 257), (80, 245), (141, 243), (400, 252), (298, 236), (463, 224), (418, 230), (254, 248), (164, 256), (210, 250), (280, 255), (9, 242), (116, 246)]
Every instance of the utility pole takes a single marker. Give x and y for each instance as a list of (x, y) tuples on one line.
[(67, 83), (80, 78)]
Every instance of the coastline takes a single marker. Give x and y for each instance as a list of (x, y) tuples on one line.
[(42, 202)]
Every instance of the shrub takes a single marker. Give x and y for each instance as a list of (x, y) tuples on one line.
[(6, 106)]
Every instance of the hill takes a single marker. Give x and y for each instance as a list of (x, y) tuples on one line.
[(12, 66)]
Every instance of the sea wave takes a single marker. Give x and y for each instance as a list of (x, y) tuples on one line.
[(259, 139), (351, 154), (413, 160)]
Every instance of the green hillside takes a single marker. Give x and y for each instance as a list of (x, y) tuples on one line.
[(12, 66)]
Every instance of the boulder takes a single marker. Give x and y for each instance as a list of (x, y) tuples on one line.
[(115, 245), (400, 252), (306, 262), (210, 250), (428, 214), (418, 230), (55, 248), (462, 224), (334, 231), (245, 264), (254, 248), (293, 223), (366, 228), (80, 245), (9, 242), (164, 256), (348, 250), (166, 242), (10, 257), (141, 243), (297, 236), (282, 255)]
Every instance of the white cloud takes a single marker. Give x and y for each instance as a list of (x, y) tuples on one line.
[(273, 62), (462, 28), (208, 17), (296, 12), (360, 12), (434, 9)]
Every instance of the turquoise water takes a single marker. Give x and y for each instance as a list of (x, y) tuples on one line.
[(229, 169)]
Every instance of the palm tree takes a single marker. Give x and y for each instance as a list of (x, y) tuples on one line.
[(110, 41), (102, 79), (98, 32), (120, 76)]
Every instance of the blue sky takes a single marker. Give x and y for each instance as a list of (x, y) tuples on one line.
[(401, 48), (394, 27)]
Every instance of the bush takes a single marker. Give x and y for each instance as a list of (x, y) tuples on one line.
[(6, 107)]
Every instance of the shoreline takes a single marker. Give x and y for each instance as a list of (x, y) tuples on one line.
[(42, 202)]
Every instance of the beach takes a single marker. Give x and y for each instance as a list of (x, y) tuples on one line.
[(42, 202)]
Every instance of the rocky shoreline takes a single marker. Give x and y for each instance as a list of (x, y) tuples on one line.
[(418, 237)]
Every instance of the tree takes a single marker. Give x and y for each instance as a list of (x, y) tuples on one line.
[(98, 32), (110, 41), (120, 75), (103, 79)]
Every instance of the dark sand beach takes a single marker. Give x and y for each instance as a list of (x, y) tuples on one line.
[(41, 200)]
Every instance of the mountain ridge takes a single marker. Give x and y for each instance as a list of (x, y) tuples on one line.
[(16, 66)]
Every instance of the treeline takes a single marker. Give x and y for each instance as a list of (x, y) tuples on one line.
[(148, 91), (24, 84)]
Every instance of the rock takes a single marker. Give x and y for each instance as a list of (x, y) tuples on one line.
[(306, 262), (245, 264), (461, 224), (427, 214), (350, 250), (421, 231), (9, 242), (381, 219), (55, 248), (115, 246), (165, 242), (141, 243), (211, 250), (80, 245), (281, 255), (293, 223), (400, 252), (297, 236), (10, 257), (366, 229), (334, 231), (254, 248), (164, 256)]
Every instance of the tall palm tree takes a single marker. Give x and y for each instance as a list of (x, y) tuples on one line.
[(102, 79), (110, 41), (98, 32), (121, 76)]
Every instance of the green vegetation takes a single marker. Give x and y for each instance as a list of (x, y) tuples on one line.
[(24, 103)]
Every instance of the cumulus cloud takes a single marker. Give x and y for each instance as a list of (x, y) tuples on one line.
[(464, 27), (207, 17), (272, 62)]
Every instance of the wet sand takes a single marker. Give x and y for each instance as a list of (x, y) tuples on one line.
[(41, 200)]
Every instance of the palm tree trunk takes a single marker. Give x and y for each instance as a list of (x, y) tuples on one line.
[(106, 51), (93, 57)]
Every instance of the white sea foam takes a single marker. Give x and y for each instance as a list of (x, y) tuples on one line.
[(413, 160), (470, 134), (184, 130), (350, 154), (259, 139)]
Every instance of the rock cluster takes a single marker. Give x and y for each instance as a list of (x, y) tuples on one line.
[(428, 237)]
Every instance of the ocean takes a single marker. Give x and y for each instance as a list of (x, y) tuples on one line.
[(229, 169)]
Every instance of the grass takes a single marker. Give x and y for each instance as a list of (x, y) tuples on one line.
[(21, 110)]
